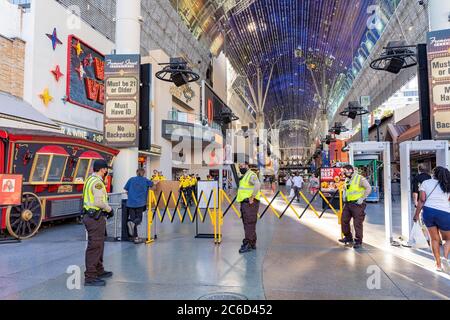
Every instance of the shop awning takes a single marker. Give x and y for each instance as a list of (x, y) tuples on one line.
[(13, 108), (53, 149), (409, 134), (396, 131)]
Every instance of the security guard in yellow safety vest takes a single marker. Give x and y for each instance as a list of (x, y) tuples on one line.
[(185, 186), (161, 177), (356, 192), (95, 212), (157, 176), (249, 195)]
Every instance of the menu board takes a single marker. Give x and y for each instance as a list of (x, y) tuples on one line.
[(439, 65), (331, 179), (122, 81)]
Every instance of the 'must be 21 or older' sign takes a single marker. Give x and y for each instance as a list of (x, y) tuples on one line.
[(122, 73)]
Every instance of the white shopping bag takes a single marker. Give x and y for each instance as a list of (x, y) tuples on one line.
[(418, 239)]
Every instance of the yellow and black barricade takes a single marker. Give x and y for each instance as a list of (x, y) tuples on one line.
[(219, 197)]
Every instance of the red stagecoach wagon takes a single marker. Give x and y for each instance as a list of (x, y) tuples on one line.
[(54, 168)]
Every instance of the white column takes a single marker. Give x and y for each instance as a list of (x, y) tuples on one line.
[(405, 184), (387, 192), (439, 12), (128, 41)]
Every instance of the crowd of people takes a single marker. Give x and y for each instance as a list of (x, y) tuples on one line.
[(189, 186), (295, 183)]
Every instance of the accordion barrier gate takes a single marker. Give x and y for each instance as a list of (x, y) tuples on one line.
[(219, 204)]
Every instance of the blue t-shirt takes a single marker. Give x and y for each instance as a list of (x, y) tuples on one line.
[(137, 188)]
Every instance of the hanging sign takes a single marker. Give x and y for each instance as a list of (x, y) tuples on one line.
[(122, 81), (439, 66)]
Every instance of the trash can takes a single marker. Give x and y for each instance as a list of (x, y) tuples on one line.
[(124, 220)]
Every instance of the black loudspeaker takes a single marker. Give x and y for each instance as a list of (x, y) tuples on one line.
[(179, 78), (145, 108), (352, 114), (395, 65)]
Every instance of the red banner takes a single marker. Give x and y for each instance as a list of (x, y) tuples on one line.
[(11, 189)]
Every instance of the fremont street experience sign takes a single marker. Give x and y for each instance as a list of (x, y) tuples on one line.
[(122, 73)]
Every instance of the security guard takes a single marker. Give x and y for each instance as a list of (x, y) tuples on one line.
[(155, 176), (249, 196), (357, 191), (185, 183), (95, 211), (161, 176)]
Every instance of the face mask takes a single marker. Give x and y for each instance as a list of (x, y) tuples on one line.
[(243, 170)]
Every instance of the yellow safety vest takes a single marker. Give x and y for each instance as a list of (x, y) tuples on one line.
[(355, 191), (184, 182), (88, 195), (245, 190)]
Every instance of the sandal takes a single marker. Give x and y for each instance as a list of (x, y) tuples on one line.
[(445, 265)]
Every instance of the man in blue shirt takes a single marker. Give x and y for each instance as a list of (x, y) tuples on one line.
[(137, 188)]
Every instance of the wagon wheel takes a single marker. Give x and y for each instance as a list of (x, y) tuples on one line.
[(24, 221)]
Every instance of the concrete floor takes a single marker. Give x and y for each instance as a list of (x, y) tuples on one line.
[(294, 260)]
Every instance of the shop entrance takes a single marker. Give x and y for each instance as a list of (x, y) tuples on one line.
[(406, 148), (382, 148)]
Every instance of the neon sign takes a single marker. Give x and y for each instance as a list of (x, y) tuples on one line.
[(85, 75)]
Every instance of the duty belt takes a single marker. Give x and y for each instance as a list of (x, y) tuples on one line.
[(93, 213), (248, 201), (352, 202)]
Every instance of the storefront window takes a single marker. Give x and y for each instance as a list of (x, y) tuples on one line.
[(40, 168), (82, 171), (57, 169)]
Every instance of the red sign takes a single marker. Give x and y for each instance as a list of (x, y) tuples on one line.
[(330, 179), (10, 189), (85, 75)]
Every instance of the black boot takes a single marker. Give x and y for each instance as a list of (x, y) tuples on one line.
[(346, 241), (95, 283), (245, 248)]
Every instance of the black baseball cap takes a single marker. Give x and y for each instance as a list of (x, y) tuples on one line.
[(100, 164)]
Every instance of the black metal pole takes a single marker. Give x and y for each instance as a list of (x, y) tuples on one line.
[(362, 133), (378, 133), (424, 92)]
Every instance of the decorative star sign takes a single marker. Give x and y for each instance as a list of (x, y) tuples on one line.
[(78, 48), (88, 61), (57, 73), (80, 71), (54, 38), (46, 97)]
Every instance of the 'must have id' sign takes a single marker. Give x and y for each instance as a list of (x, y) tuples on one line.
[(122, 100)]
